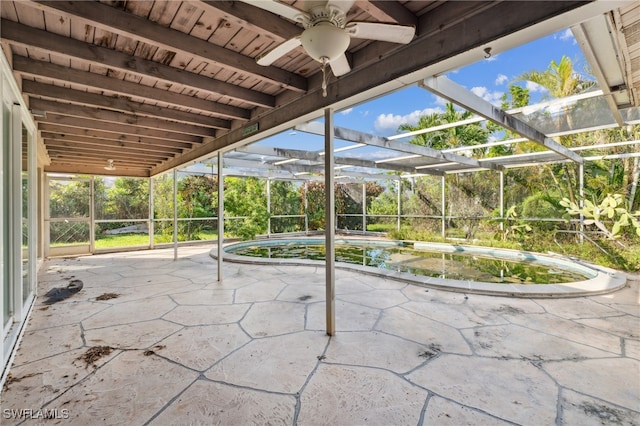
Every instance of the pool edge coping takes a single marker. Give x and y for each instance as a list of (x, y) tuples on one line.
[(607, 280)]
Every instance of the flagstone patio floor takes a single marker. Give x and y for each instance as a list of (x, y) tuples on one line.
[(150, 340)]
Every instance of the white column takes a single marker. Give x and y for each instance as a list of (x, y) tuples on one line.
[(175, 214), (306, 208), (330, 220), (151, 214), (92, 215), (364, 207), (399, 202), (444, 207), (220, 214), (581, 200), (501, 200), (269, 207)]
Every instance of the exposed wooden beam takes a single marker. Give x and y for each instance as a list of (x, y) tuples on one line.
[(140, 28), (26, 36), (105, 151), (119, 129), (97, 114), (119, 104), (255, 18), (388, 11), (72, 140), (82, 155), (93, 159), (66, 167), (457, 94), (66, 130), (26, 66)]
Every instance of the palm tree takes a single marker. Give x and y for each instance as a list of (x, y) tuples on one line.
[(561, 80), (465, 135), (424, 122)]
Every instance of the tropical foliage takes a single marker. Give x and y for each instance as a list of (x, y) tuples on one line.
[(540, 198)]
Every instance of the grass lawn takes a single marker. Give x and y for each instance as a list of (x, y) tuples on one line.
[(121, 240)]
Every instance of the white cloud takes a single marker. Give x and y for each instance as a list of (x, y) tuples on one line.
[(440, 101), (566, 35), (501, 79), (492, 58), (346, 111), (391, 122), (535, 87), (487, 95)]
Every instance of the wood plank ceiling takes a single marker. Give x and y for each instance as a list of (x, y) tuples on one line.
[(155, 84)]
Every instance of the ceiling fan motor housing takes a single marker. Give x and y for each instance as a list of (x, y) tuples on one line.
[(325, 42)]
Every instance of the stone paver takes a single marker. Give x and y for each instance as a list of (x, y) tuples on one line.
[(512, 390), (347, 395), (176, 347)]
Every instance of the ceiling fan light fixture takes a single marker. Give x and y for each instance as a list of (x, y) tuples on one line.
[(325, 42), (110, 166)]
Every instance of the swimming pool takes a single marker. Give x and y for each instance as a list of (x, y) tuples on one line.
[(454, 267)]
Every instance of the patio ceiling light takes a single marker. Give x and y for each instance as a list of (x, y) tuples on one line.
[(110, 166)]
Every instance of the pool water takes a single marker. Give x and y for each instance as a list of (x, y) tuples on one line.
[(403, 257)]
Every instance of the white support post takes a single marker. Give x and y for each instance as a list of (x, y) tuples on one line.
[(581, 200), (92, 215), (364, 207), (151, 215), (175, 214), (399, 203), (501, 201), (330, 221), (444, 208), (269, 207), (306, 208), (220, 215)]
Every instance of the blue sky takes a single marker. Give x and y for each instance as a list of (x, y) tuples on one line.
[(488, 78)]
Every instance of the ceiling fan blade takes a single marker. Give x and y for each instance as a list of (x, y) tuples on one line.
[(383, 32), (280, 9), (278, 52), (340, 65)]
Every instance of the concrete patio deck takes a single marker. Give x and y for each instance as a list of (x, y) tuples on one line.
[(168, 344)]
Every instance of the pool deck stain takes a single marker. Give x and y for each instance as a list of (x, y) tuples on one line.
[(185, 349)]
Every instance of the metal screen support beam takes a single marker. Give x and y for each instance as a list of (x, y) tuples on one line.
[(151, 215), (364, 207), (220, 214), (444, 207), (501, 200), (581, 200), (399, 203), (306, 208), (330, 220), (92, 215), (447, 89), (175, 214), (381, 142), (269, 207)]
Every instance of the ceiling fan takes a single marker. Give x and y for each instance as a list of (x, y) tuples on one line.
[(327, 32)]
